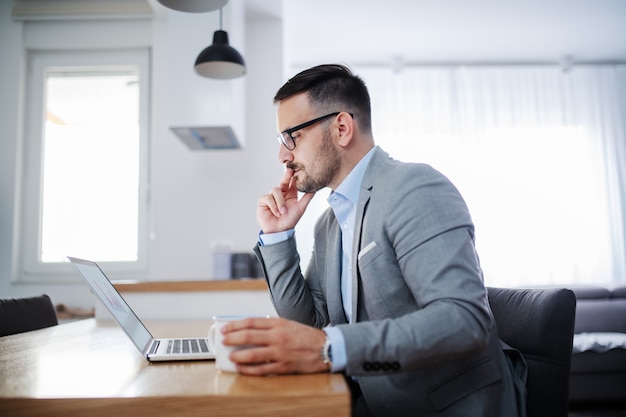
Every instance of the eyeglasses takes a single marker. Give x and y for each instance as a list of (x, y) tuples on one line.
[(289, 141)]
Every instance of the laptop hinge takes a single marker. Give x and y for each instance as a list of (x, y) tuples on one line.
[(153, 348)]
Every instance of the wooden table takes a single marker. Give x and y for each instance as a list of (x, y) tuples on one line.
[(90, 368)]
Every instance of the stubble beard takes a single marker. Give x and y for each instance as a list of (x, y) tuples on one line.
[(326, 165)]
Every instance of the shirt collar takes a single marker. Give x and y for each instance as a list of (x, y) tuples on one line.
[(351, 185)]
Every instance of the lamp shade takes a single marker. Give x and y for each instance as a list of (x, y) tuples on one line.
[(220, 60), (194, 6)]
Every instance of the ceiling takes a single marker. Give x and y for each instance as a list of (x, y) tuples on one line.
[(396, 32)]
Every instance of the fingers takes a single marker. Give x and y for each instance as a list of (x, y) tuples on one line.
[(267, 368), (259, 332), (285, 181), (260, 361), (274, 202), (271, 361), (251, 323)]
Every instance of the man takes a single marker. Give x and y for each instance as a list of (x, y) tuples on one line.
[(394, 281)]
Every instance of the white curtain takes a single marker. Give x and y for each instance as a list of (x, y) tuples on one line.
[(538, 153)]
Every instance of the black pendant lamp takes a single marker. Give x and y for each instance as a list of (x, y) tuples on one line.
[(194, 6), (220, 60)]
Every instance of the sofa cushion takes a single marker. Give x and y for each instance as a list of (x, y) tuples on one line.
[(600, 316), (600, 389), (619, 292), (589, 362), (585, 292)]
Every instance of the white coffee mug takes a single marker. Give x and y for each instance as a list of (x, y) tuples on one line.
[(222, 362)]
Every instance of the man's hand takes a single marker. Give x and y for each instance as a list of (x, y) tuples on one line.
[(280, 210), (283, 346)]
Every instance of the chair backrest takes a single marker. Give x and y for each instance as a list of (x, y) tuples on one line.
[(18, 315), (540, 324)]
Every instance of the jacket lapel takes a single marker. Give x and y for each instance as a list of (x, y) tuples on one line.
[(367, 185)]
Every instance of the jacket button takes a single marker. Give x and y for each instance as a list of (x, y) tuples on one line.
[(395, 366)]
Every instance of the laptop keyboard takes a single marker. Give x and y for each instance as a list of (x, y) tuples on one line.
[(187, 346)]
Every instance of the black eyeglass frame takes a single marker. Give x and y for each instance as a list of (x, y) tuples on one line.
[(282, 137)]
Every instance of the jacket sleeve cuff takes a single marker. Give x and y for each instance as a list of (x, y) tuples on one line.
[(271, 238)]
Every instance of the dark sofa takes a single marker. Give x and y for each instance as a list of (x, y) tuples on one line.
[(598, 373)]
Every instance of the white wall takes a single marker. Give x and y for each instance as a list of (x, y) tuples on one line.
[(198, 197)]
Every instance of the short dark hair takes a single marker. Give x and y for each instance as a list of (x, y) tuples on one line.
[(330, 88)]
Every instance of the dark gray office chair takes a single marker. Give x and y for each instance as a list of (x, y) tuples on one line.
[(18, 315), (540, 324)]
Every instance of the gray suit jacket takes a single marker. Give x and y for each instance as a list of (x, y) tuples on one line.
[(424, 340)]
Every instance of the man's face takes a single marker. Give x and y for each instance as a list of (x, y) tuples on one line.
[(315, 159)]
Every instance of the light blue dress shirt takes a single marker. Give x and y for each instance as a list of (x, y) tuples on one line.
[(343, 202)]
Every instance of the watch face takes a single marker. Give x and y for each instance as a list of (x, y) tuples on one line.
[(327, 355)]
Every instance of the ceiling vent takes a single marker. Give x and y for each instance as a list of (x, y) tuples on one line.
[(210, 137)]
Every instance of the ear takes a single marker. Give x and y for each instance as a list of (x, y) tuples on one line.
[(346, 129)]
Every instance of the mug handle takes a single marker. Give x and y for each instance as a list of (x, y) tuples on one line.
[(212, 344)]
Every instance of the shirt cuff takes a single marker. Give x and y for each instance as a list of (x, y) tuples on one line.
[(338, 344), (272, 238)]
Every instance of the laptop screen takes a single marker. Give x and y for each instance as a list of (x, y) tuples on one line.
[(113, 301)]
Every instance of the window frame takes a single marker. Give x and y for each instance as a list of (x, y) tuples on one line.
[(38, 63)]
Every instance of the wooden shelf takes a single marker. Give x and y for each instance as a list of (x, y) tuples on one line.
[(191, 286)]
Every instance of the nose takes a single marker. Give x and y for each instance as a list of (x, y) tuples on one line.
[(284, 154)]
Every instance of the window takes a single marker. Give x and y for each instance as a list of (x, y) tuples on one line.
[(85, 170)]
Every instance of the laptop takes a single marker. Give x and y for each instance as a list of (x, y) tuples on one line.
[(153, 349)]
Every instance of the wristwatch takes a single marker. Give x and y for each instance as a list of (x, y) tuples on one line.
[(327, 354)]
